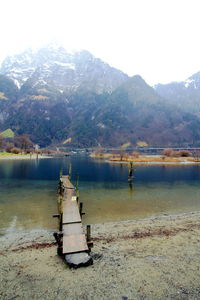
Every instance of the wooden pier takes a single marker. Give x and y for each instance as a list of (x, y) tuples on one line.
[(73, 244)]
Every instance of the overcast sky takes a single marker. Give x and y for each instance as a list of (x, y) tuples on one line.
[(158, 39)]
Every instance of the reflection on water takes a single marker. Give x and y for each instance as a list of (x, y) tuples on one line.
[(27, 204), (139, 201), (28, 191)]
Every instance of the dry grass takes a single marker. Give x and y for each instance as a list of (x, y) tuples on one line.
[(144, 158)]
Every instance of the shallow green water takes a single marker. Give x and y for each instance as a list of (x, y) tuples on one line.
[(140, 201), (28, 191)]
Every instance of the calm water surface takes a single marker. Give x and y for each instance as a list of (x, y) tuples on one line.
[(28, 191)]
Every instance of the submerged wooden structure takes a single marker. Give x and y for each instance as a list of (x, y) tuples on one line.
[(73, 244)]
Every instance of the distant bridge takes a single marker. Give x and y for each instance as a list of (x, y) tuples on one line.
[(148, 150)]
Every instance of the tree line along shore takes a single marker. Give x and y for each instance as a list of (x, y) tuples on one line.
[(21, 146), (167, 155)]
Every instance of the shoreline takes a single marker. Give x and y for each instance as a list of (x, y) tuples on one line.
[(25, 156), (164, 163), (29, 234), (149, 160), (151, 258)]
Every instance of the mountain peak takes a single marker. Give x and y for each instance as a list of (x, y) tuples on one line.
[(195, 77), (55, 46), (138, 77), (61, 69), (138, 90), (184, 93)]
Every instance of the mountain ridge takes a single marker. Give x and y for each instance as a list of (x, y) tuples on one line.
[(62, 70), (186, 94), (79, 97)]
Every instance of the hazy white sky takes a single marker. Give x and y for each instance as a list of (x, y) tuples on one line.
[(158, 39)]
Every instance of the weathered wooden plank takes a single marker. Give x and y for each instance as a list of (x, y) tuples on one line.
[(72, 216), (70, 229), (69, 200), (71, 211), (68, 194), (66, 182), (74, 243)]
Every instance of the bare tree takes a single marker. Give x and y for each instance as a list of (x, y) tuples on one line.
[(23, 142), (196, 155), (1, 142)]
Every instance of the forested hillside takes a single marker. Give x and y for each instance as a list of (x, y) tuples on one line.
[(53, 96)]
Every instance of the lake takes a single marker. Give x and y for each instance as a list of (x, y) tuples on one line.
[(28, 191)]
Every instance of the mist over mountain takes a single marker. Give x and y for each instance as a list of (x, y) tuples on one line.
[(65, 71), (185, 94), (54, 95)]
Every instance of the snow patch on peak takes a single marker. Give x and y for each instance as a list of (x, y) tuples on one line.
[(188, 82), (67, 65), (17, 83), (55, 66), (101, 125)]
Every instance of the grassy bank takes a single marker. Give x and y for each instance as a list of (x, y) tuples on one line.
[(3, 154), (7, 155)]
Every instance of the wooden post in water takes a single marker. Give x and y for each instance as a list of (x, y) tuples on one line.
[(61, 172), (81, 209), (70, 171), (77, 189), (130, 173)]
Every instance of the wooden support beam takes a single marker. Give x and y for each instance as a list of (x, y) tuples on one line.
[(56, 216), (88, 233), (68, 223), (60, 222), (58, 236), (81, 209), (90, 245), (88, 237)]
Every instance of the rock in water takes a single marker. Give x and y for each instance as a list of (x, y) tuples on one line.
[(77, 260)]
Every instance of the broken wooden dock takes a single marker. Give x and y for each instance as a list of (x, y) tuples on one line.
[(73, 243)]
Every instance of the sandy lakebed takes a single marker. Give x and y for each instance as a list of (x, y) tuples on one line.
[(154, 258)]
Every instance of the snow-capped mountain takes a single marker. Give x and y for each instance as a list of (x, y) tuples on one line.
[(193, 81), (185, 94), (63, 70), (64, 95)]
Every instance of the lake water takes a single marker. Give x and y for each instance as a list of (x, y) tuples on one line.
[(28, 191)]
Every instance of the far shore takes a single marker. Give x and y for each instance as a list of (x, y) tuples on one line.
[(154, 258), (145, 159), (22, 156)]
